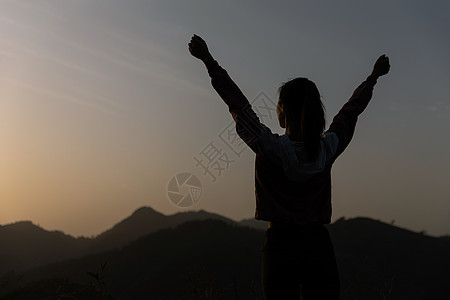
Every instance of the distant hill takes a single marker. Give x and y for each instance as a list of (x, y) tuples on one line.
[(210, 255), (222, 259), (375, 257), (143, 221), (253, 223), (25, 245)]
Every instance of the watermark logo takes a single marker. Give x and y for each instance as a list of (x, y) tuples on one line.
[(184, 190), (216, 157)]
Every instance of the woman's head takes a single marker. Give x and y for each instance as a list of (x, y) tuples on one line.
[(301, 112)]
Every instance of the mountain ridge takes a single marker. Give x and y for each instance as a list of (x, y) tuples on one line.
[(25, 245), (223, 258)]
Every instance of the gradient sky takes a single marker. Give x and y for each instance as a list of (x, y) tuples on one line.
[(101, 104)]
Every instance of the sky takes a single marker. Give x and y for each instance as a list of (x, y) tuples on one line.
[(101, 105)]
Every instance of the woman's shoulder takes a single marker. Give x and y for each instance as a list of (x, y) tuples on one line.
[(330, 142)]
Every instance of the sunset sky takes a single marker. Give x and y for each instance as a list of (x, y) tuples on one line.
[(101, 104)]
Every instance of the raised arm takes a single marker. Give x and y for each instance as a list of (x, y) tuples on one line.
[(344, 122), (248, 125)]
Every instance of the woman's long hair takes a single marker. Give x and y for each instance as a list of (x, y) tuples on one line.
[(305, 113)]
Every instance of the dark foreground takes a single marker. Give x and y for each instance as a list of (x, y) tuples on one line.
[(220, 259)]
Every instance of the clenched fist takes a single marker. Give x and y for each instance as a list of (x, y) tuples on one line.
[(198, 48), (381, 66)]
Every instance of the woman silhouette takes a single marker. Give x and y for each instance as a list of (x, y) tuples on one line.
[(293, 177)]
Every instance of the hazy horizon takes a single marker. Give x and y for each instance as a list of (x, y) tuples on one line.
[(110, 226), (101, 104)]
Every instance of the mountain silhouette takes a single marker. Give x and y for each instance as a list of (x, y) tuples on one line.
[(379, 258), (167, 264), (143, 221), (253, 223), (25, 245), (222, 259)]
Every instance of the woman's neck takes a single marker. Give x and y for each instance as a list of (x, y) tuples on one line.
[(293, 134)]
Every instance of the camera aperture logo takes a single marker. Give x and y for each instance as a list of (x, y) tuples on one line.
[(184, 190)]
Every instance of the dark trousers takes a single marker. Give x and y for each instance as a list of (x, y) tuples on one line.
[(299, 261)]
